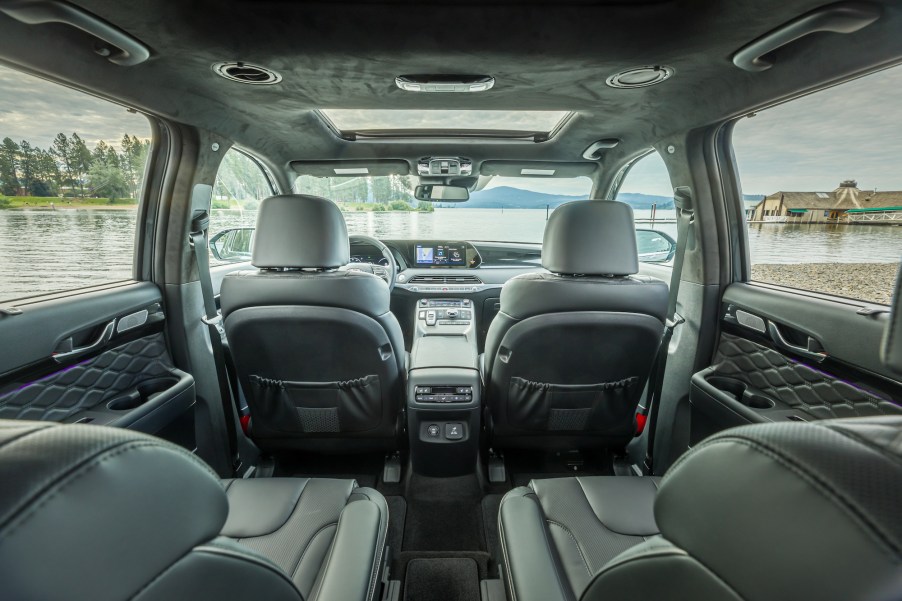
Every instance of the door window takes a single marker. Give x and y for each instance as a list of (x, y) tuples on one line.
[(71, 174), (822, 187)]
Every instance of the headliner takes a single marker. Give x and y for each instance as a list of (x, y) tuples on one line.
[(543, 55)]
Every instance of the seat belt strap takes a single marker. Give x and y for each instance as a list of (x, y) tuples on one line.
[(682, 200), (198, 240)]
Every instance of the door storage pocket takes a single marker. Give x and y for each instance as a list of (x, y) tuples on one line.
[(317, 407), (570, 407)]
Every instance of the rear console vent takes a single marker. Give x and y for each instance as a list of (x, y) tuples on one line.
[(444, 279), (254, 75)]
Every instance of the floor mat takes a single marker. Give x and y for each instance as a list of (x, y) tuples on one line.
[(443, 514), (450, 579)]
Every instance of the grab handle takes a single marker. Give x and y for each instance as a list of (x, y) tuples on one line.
[(120, 47), (842, 17)]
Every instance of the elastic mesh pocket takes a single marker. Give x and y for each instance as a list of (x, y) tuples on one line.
[(568, 419), (319, 419)]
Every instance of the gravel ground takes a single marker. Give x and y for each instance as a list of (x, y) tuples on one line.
[(871, 282)]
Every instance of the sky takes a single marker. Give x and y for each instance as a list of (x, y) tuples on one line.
[(851, 131), (36, 110)]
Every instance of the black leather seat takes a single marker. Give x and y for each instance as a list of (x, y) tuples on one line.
[(319, 354), (567, 357), (108, 514), (773, 512)]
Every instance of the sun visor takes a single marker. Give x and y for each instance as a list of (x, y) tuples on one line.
[(537, 168), (356, 168)]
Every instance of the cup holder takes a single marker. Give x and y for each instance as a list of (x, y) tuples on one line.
[(739, 391), (141, 394), (733, 388), (756, 401)]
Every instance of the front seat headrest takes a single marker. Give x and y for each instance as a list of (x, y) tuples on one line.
[(300, 231), (784, 510), (88, 512), (591, 237)]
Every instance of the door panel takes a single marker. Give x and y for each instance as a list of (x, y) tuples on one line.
[(97, 357), (834, 371)]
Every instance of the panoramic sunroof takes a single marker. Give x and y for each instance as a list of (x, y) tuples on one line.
[(389, 122)]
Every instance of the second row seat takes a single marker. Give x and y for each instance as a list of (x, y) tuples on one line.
[(772, 512), (106, 514)]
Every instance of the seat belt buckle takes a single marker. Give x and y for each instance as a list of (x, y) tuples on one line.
[(641, 419), (212, 321), (672, 323)]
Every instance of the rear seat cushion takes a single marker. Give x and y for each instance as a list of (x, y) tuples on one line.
[(295, 523), (571, 527)]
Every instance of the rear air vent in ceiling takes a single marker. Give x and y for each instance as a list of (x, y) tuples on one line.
[(254, 75), (444, 279), (640, 77)]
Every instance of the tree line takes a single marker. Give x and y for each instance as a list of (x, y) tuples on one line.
[(69, 168)]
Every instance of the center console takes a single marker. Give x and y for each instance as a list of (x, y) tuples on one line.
[(443, 389)]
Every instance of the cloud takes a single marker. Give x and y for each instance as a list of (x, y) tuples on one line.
[(851, 131), (36, 110)]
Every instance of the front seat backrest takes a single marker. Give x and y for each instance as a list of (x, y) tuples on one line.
[(105, 514), (774, 512), (320, 357), (569, 353)]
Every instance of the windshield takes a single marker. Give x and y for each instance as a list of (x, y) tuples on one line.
[(508, 209)]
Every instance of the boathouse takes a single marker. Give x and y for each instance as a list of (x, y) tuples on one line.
[(845, 204)]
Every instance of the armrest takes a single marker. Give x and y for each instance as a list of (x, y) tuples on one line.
[(532, 573), (352, 567)]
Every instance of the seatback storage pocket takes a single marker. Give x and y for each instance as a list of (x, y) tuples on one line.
[(317, 407)]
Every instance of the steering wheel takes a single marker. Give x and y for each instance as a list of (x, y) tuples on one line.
[(389, 272)]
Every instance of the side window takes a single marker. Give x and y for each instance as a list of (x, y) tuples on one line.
[(648, 190), (240, 185), (822, 183), (71, 175)]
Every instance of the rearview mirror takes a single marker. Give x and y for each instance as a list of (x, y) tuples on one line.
[(441, 193), (654, 246), (233, 245)]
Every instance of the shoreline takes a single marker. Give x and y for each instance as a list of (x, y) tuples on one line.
[(870, 282), (75, 208)]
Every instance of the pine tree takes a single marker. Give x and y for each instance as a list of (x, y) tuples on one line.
[(9, 156)]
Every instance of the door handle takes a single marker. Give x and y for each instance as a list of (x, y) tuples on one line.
[(71, 353), (808, 352)]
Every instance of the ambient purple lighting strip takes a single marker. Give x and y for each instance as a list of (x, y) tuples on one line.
[(47, 377)]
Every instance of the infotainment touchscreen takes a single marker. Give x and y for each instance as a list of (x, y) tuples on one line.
[(450, 255)]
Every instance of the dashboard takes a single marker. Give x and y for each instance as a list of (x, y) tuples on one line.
[(421, 254)]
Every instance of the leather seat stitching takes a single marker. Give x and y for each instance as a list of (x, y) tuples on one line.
[(597, 517), (561, 585), (307, 547), (575, 542)]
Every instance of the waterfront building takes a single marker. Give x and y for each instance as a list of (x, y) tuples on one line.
[(845, 204)]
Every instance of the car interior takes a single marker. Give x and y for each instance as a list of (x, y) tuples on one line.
[(275, 405)]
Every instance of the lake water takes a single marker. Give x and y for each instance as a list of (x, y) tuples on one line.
[(47, 251)]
